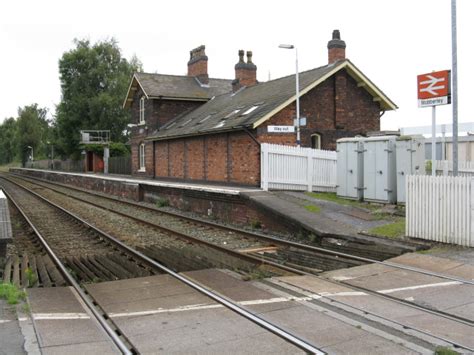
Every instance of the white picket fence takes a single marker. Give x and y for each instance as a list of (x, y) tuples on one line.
[(301, 169), (440, 208), (445, 168)]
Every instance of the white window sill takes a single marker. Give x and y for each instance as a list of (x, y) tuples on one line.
[(141, 170)]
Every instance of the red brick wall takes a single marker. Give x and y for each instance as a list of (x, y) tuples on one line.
[(195, 158), (176, 163), (223, 158), (161, 159), (335, 109), (245, 159)]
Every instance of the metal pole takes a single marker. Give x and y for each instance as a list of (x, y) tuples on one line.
[(433, 141), (455, 86), (298, 136)]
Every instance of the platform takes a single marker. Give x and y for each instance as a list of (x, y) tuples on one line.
[(5, 225)]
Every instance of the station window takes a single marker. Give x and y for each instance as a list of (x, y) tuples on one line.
[(142, 110), (141, 155), (316, 141)]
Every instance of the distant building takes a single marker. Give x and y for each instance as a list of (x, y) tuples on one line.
[(196, 128)]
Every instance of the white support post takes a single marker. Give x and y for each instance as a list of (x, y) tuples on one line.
[(433, 142), (264, 167), (106, 159), (309, 175)]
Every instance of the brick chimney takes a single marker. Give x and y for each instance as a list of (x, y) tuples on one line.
[(336, 48), (245, 73), (197, 65)]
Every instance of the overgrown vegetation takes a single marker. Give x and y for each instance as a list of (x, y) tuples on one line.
[(332, 197), (256, 224), (391, 230), (312, 208), (11, 293), (162, 202), (442, 350)]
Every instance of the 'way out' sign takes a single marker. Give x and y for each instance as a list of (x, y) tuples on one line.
[(434, 88)]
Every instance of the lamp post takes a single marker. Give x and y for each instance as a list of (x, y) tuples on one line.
[(298, 137)]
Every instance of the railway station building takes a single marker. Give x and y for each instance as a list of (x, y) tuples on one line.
[(199, 129)]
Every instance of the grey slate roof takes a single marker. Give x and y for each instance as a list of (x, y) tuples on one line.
[(226, 112), (178, 86)]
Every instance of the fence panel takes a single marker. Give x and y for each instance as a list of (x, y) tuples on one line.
[(445, 168), (120, 165), (300, 169), (440, 208)]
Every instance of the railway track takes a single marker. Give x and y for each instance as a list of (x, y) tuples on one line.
[(98, 238), (248, 235)]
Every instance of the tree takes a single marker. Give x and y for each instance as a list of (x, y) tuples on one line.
[(32, 130), (8, 142), (94, 81)]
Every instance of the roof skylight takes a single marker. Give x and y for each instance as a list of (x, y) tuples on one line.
[(250, 110)]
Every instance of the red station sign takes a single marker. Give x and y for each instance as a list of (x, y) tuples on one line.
[(434, 88)]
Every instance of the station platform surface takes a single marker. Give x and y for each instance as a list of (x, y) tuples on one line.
[(160, 314), (5, 225), (63, 325)]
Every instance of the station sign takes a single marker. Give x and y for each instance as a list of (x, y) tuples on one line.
[(434, 88), (281, 129)]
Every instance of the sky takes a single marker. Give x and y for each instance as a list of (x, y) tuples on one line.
[(391, 41)]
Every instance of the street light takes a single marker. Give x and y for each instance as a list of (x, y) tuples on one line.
[(30, 147), (298, 138)]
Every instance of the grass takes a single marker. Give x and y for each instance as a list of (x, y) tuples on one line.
[(11, 293), (5, 167), (162, 202), (442, 350), (312, 208), (332, 197), (391, 230)]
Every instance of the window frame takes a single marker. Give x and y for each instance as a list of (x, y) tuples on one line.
[(141, 157), (141, 110), (319, 140)]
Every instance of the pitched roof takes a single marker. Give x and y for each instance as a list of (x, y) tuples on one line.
[(176, 87), (251, 106)]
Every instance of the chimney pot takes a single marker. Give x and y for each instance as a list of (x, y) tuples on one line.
[(336, 48), (245, 73)]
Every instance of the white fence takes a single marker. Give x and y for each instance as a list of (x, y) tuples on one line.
[(292, 168), (445, 168), (440, 208)]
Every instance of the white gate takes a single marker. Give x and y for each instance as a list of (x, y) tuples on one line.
[(302, 169), (440, 208)]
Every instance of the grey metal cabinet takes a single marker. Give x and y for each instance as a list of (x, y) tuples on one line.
[(380, 184), (350, 168), (410, 154)]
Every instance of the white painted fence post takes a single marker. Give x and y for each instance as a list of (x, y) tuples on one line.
[(264, 167), (309, 175)]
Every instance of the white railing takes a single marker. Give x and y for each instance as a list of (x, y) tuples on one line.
[(440, 208), (301, 169), (445, 168)]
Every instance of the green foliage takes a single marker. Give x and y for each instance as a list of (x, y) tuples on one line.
[(31, 277), (32, 130), (256, 224), (8, 143), (11, 293), (162, 202), (391, 230), (116, 149), (428, 166), (312, 208), (443, 350), (332, 197), (94, 81)]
